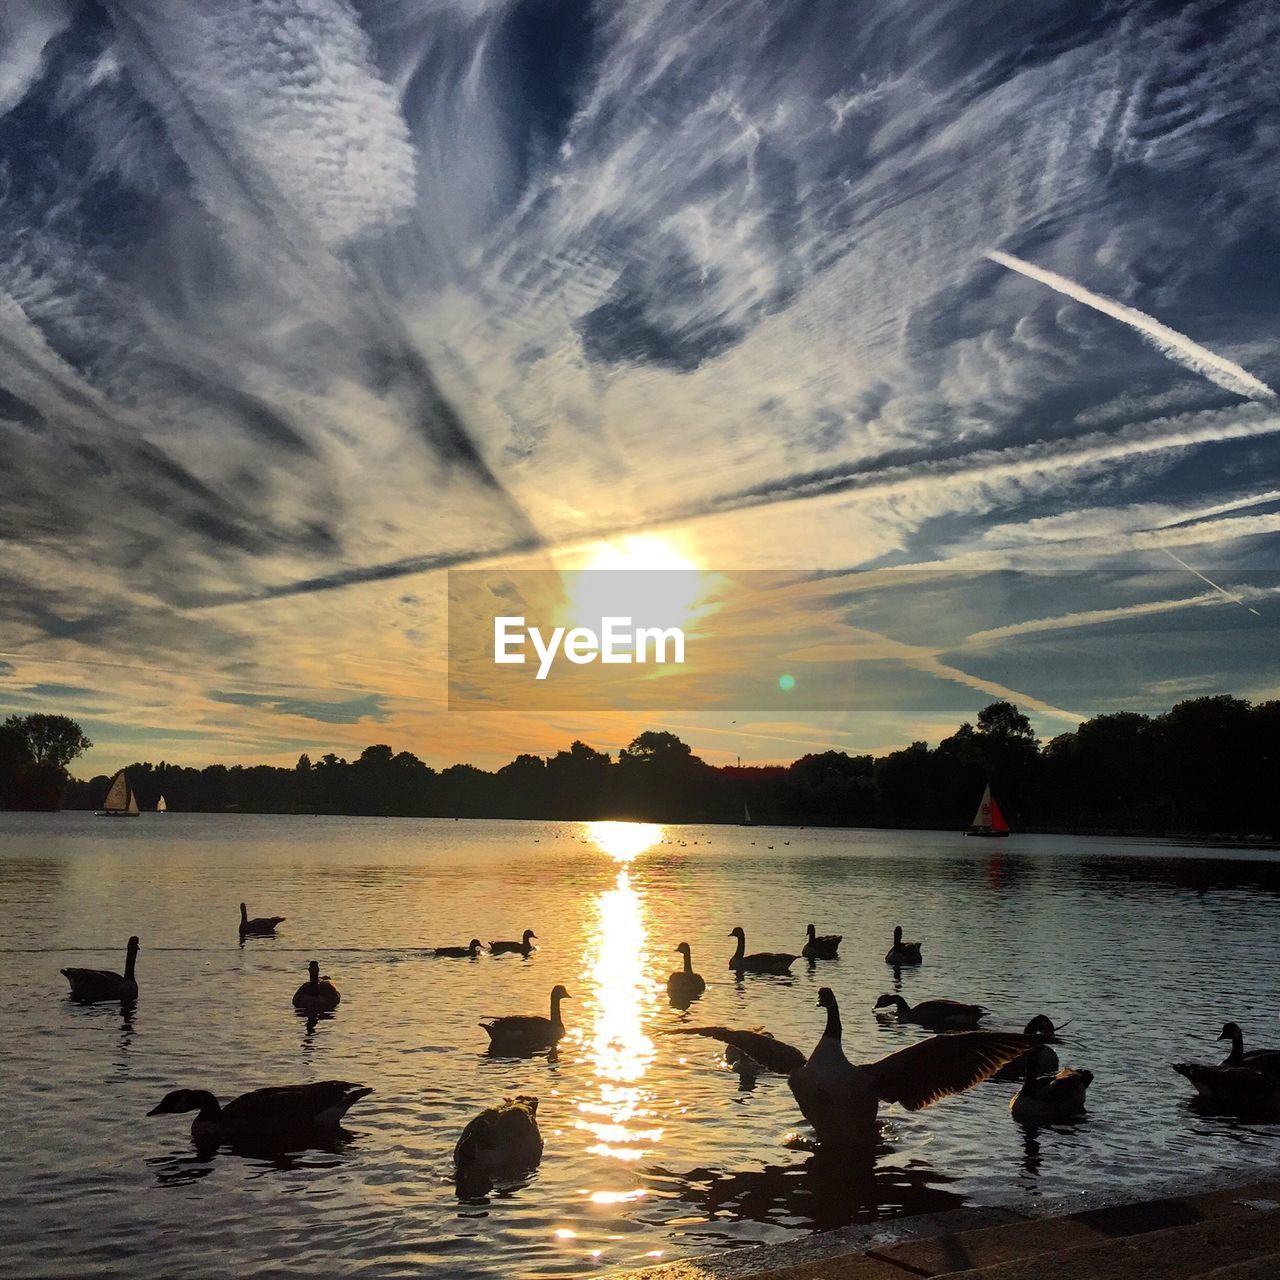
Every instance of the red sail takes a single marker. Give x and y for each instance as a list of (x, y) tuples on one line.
[(997, 818)]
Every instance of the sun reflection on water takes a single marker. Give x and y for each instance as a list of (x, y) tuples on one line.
[(620, 1115), (624, 840)]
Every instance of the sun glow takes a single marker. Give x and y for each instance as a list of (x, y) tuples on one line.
[(637, 551), (665, 594)]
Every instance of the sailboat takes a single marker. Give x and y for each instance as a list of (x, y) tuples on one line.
[(746, 816), (120, 801), (161, 807), (988, 821)]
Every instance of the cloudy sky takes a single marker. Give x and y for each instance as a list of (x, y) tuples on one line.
[(304, 302)]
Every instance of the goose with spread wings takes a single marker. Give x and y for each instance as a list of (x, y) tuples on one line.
[(840, 1098)]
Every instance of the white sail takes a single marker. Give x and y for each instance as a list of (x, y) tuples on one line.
[(746, 815), (983, 817), (118, 793), (133, 804), (161, 807)]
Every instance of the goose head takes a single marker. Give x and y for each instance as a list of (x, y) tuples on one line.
[(736, 932), (1230, 1030), (559, 993), (890, 1002), (244, 912), (528, 933), (813, 933), (314, 970), (683, 948), (133, 946), (180, 1100), (826, 998), (474, 945), (897, 935)]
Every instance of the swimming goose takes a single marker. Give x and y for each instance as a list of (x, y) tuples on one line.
[(822, 947), (1264, 1059), (289, 1110), (523, 1033), (469, 952), (936, 1015), (1046, 1033), (840, 1098), (260, 926), (317, 994), (902, 953), (761, 961), (1252, 1092), (684, 985), (510, 948), (501, 1137), (1047, 1097), (89, 985)]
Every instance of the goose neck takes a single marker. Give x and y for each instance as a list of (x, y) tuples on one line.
[(833, 1028), (131, 958), (1236, 1057)]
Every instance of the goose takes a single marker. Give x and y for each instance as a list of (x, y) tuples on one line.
[(501, 1137), (90, 985), (1046, 1034), (822, 947), (761, 961), (260, 926), (317, 994), (1047, 1097), (840, 1098), (1249, 1091), (510, 948), (469, 952), (936, 1015), (902, 953), (525, 1032), (684, 985), (288, 1110), (1263, 1059)]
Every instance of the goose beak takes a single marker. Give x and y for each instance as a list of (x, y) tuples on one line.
[(156, 1110)]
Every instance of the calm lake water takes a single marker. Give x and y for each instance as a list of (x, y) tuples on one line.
[(654, 1148)]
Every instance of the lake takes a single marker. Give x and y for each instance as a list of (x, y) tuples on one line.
[(654, 1147)]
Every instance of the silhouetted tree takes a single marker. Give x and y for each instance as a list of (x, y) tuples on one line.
[(1206, 766), (34, 753)]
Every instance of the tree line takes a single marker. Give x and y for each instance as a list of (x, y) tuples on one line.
[(1208, 766)]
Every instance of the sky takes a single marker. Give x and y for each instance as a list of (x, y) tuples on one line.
[(304, 303)]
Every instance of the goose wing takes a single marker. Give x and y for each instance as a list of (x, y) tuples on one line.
[(292, 1104), (771, 1054), (517, 1024), (104, 976), (925, 1073)]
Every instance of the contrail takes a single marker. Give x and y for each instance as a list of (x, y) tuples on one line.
[(1169, 342), (1231, 595)]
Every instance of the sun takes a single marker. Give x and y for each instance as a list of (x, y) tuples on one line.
[(639, 576), (637, 551)]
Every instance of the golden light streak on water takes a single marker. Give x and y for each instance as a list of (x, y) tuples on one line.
[(619, 1114)]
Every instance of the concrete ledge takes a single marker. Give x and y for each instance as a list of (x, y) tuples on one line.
[(1229, 1234)]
